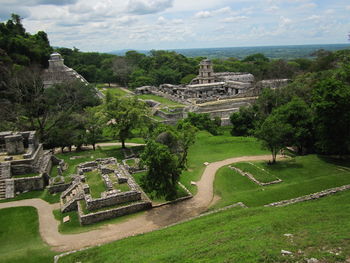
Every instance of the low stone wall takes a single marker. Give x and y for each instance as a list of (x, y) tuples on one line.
[(169, 116), (57, 188), (311, 196), (93, 204), (112, 213), (29, 183), (253, 179)]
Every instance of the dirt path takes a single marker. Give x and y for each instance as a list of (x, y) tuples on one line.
[(153, 219)]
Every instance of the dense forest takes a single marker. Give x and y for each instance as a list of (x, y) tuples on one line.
[(312, 113)]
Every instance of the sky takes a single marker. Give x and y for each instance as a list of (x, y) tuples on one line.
[(107, 25)]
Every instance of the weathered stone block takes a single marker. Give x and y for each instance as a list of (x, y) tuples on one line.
[(14, 144)]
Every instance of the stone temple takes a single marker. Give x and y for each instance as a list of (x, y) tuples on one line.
[(58, 72)]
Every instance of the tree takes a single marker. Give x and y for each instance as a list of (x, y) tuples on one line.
[(299, 116), (243, 121), (187, 137), (93, 125), (332, 114), (163, 170), (124, 115), (274, 134), (122, 68), (203, 122)]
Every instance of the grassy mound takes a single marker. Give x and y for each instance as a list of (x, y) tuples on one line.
[(319, 228)]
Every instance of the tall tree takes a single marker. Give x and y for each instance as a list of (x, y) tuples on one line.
[(124, 115), (274, 134)]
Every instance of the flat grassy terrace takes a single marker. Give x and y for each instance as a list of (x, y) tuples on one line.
[(301, 176), (241, 235), (209, 148), (95, 182), (258, 172), (115, 91), (161, 100), (19, 237)]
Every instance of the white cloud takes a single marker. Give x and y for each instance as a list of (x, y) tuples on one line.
[(203, 14), (234, 19), (143, 7)]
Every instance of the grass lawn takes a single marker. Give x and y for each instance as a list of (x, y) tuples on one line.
[(301, 176), (209, 148), (115, 91), (259, 173), (73, 226), (95, 182), (43, 194), (161, 100), (157, 200), (19, 237), (241, 235)]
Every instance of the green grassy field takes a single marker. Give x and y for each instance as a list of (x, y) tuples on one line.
[(301, 175), (162, 100), (240, 236), (19, 237), (209, 148)]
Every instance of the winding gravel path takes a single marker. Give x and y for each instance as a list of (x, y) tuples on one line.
[(153, 219)]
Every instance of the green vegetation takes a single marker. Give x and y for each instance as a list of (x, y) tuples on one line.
[(209, 148), (180, 192), (114, 91), (73, 226), (241, 235), (301, 176), (19, 237), (258, 172), (43, 194), (95, 182), (161, 100)]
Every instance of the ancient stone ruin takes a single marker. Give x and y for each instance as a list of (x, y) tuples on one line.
[(59, 73), (217, 93), (21, 155), (122, 194)]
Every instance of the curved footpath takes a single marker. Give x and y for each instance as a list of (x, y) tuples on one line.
[(153, 219)]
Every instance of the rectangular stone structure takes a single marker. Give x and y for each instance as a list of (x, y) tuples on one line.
[(14, 144)]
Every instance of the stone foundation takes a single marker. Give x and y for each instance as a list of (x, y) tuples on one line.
[(27, 184), (119, 198), (86, 219)]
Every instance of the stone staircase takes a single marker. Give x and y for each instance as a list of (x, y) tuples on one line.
[(41, 164), (2, 189), (71, 196), (5, 173)]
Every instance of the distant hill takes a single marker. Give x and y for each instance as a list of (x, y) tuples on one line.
[(273, 52)]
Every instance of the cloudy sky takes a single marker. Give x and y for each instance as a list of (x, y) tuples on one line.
[(106, 25)]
